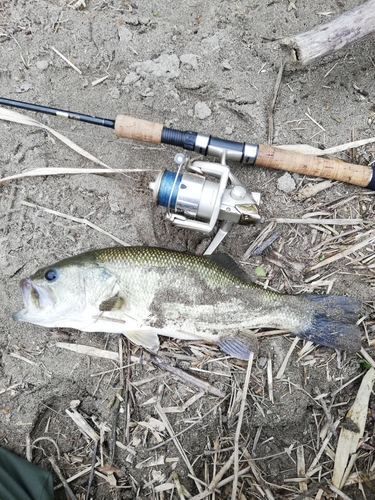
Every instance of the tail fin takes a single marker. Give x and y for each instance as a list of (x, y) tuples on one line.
[(334, 322)]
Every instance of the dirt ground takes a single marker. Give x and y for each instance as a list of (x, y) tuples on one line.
[(209, 67)]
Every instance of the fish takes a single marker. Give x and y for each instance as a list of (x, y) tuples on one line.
[(144, 292)]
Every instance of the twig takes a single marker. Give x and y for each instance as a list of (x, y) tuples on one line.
[(336, 34), (185, 406), (367, 357), (189, 427), (112, 438), (223, 450), (68, 491), (99, 80), (271, 105), (36, 172), (178, 485), (334, 393), (315, 462), (266, 243), (10, 388), (67, 60), (328, 222), (339, 492), (258, 240), (22, 358), (176, 442), (29, 450), (14, 116), (281, 371), (314, 121), (116, 408), (257, 475), (43, 438), (214, 483), (128, 393), (201, 384), (344, 253), (333, 238), (81, 423), (308, 494), (270, 379), (313, 189), (79, 474), (310, 150), (88, 350), (98, 374), (326, 410), (75, 219), (91, 477), (229, 479), (239, 424)]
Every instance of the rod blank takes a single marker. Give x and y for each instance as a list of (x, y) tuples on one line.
[(94, 120)]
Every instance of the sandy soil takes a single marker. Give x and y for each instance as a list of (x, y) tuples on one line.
[(204, 66)]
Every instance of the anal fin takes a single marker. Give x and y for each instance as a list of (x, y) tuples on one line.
[(239, 345), (145, 338)]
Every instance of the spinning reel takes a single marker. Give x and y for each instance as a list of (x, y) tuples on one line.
[(195, 202)]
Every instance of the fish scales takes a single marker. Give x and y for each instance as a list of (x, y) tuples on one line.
[(196, 289), (144, 292)]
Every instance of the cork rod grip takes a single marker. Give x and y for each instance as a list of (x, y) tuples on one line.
[(138, 130), (335, 169)]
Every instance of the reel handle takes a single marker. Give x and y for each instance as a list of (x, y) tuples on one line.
[(262, 155)]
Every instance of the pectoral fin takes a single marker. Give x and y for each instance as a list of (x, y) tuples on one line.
[(145, 338), (115, 303), (239, 345)]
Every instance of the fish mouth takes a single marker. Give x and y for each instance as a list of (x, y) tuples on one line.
[(33, 297)]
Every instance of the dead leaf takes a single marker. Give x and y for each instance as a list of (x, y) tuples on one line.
[(350, 435)]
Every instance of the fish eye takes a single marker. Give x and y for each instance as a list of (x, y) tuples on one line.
[(51, 275)]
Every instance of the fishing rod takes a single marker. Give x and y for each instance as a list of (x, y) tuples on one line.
[(250, 154), (197, 196)]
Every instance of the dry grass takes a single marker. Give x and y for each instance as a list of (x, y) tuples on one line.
[(229, 460)]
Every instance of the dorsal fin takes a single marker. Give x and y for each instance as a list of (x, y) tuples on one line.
[(224, 260)]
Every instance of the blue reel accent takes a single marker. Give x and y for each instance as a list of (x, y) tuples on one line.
[(165, 190)]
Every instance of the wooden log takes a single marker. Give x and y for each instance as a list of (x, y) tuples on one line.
[(328, 38)]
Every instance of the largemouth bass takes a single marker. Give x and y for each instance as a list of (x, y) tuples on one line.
[(144, 292)]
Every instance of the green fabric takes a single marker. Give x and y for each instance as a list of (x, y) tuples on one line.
[(22, 480)]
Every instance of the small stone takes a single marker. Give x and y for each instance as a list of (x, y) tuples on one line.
[(144, 20), (24, 87), (165, 66), (228, 131), (42, 65), (125, 34), (201, 110), (226, 65), (286, 183), (132, 77), (189, 60), (262, 361), (114, 92)]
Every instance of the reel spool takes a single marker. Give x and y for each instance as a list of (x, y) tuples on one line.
[(195, 202)]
